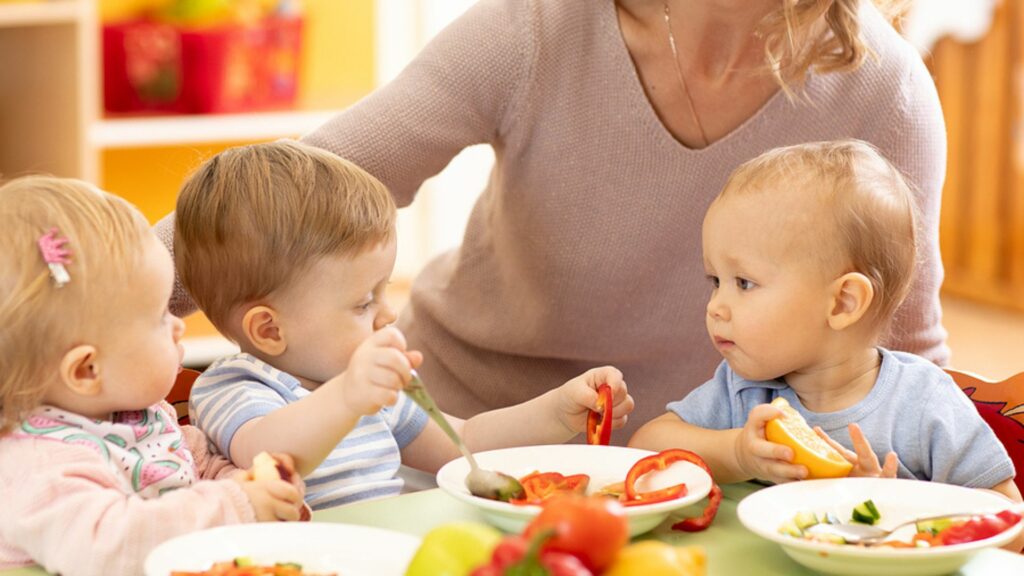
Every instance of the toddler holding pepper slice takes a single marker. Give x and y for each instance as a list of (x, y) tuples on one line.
[(289, 250), (809, 249)]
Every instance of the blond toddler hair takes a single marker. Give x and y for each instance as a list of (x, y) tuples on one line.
[(870, 223), (40, 320), (252, 218)]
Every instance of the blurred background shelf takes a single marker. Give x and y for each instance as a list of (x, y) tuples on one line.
[(204, 129), (39, 13)]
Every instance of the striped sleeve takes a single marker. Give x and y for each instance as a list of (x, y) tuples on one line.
[(405, 419), (227, 396)]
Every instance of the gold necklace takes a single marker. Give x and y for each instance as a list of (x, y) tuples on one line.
[(679, 76)]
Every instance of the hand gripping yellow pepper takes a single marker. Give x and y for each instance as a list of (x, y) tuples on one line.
[(653, 558)]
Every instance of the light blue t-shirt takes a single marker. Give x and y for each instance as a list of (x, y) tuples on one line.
[(238, 388), (915, 409)]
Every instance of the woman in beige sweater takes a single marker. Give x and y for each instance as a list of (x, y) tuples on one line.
[(614, 124)]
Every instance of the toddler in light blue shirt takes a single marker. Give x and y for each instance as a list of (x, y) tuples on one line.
[(809, 250)]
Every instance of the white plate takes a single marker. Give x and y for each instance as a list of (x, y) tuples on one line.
[(320, 547), (897, 500), (604, 464)]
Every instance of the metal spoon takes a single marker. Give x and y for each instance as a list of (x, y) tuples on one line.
[(868, 535), (483, 483)]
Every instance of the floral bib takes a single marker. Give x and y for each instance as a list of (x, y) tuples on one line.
[(145, 447)]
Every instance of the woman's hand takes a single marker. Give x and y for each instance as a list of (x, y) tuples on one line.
[(378, 370), (865, 462), (577, 397), (759, 458)]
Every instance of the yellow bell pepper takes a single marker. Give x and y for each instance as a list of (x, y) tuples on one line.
[(653, 558)]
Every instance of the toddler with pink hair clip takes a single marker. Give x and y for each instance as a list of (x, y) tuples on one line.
[(94, 468)]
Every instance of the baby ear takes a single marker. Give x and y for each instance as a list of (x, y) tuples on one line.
[(852, 294), (80, 372), (261, 326)]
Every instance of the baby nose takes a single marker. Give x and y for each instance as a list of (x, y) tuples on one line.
[(717, 308)]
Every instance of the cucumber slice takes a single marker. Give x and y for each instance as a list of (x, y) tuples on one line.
[(933, 527), (872, 509), (865, 513), (805, 520), (789, 528)]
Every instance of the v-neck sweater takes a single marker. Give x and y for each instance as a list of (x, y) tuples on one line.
[(584, 248)]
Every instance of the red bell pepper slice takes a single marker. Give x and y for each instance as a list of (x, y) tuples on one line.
[(653, 463), (714, 497), (661, 461), (663, 495), (599, 422)]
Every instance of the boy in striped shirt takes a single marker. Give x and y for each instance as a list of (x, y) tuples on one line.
[(288, 250)]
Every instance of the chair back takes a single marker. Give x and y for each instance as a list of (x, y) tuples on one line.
[(178, 396), (1001, 405)]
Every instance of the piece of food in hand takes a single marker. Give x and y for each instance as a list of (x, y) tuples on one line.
[(599, 423), (790, 429), (654, 558), (453, 549), (266, 467)]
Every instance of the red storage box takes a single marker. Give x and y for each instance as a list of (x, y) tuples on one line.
[(158, 67)]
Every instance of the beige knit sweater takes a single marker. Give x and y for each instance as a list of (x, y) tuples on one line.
[(584, 248)]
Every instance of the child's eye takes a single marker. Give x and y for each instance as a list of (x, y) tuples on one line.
[(365, 306), (744, 284), (714, 280)]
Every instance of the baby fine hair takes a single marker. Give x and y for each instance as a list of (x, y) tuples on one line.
[(253, 218), (872, 209), (41, 318)]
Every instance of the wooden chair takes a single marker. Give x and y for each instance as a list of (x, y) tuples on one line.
[(1001, 405), (178, 396)]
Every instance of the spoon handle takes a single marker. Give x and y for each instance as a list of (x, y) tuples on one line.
[(418, 392)]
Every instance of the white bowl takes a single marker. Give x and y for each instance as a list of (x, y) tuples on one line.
[(318, 546), (897, 500), (604, 464)]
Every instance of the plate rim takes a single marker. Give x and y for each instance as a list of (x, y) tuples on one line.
[(214, 532)]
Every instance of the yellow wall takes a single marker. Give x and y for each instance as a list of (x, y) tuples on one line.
[(338, 68)]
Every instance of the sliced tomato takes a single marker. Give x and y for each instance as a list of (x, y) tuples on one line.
[(539, 486)]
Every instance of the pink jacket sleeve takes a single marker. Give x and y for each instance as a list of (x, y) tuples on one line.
[(64, 508)]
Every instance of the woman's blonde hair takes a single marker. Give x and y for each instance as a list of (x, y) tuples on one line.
[(871, 204), (40, 320), (252, 218), (794, 43)]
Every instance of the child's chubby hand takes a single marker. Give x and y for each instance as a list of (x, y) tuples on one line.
[(378, 370), (865, 462), (759, 458), (577, 397), (274, 489)]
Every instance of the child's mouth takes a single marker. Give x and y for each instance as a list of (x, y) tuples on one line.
[(722, 343)]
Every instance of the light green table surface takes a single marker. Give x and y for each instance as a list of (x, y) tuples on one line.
[(732, 549)]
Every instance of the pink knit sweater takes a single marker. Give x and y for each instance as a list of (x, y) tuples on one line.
[(585, 248), (65, 508)]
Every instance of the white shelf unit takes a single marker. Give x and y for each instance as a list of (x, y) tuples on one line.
[(144, 131), (20, 14)]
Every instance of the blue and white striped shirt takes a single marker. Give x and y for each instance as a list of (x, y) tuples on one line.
[(238, 388)]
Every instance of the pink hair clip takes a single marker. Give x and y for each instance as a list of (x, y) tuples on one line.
[(56, 256)]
